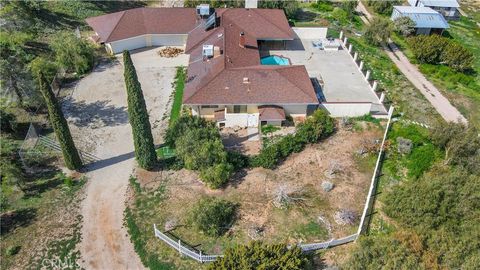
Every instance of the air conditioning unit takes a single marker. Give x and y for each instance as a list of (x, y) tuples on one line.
[(207, 51), (203, 10)]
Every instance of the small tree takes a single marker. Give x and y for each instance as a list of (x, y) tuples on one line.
[(72, 53), (213, 216), (257, 255), (59, 125), (138, 116), (457, 57), (349, 7), (404, 25), (378, 31)]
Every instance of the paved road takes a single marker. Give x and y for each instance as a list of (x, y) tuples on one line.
[(431, 93)]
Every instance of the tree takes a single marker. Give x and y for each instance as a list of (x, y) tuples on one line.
[(213, 216), (42, 65), (258, 255), (19, 15), (383, 7), (349, 7), (15, 80), (457, 57), (378, 31), (72, 53), (404, 25), (59, 125), (138, 116), (289, 7)]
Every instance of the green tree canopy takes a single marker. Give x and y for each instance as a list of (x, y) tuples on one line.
[(72, 53), (138, 116), (378, 31), (213, 216), (59, 125), (257, 255), (404, 25)]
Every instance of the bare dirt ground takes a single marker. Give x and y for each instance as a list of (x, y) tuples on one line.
[(238, 140), (98, 120), (254, 190)]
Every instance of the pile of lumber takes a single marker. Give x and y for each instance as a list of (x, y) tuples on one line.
[(170, 52)]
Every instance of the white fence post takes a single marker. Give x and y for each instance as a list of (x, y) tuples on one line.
[(367, 76), (341, 35), (345, 41), (350, 48), (382, 97), (355, 56), (361, 66), (375, 85), (180, 247)]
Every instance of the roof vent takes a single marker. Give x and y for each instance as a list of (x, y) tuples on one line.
[(207, 51), (203, 10)]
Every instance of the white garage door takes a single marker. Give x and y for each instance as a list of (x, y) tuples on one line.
[(169, 40), (128, 44)]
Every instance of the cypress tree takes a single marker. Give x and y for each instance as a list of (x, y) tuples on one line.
[(138, 116), (59, 124)]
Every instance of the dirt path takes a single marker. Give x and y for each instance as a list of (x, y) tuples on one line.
[(431, 93), (98, 119)]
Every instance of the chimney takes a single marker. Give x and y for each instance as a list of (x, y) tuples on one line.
[(242, 40)]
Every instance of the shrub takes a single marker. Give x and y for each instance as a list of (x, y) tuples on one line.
[(436, 50), (13, 250), (269, 129), (257, 255), (216, 175), (421, 159), (138, 116), (238, 160), (213, 216), (268, 157), (319, 125), (184, 123), (383, 7)]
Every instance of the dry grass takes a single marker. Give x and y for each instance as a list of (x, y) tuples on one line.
[(170, 195)]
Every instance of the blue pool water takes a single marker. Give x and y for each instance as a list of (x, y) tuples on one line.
[(274, 60)]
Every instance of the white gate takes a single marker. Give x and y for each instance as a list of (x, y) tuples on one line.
[(252, 120)]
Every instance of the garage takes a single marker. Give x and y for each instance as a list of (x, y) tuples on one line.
[(147, 41), (169, 40), (127, 44)]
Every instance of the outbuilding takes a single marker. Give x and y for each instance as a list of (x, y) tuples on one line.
[(448, 8), (427, 21)]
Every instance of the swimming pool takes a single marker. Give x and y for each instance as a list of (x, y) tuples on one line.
[(275, 60)]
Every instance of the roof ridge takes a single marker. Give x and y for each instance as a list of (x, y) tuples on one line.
[(116, 25)]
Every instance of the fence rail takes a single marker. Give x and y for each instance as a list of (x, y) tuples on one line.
[(364, 221)]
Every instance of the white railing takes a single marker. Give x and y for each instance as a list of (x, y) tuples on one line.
[(184, 249)]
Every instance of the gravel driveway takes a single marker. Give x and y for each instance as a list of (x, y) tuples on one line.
[(97, 114)]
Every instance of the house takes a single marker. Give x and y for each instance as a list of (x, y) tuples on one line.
[(427, 21), (448, 8), (226, 80)]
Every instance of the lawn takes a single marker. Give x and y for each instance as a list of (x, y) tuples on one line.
[(168, 197), (178, 93)]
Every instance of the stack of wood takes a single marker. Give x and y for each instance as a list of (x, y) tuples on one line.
[(170, 52)]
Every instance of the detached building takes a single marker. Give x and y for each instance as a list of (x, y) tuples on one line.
[(448, 8), (427, 21)]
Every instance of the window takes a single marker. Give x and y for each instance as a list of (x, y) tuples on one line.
[(239, 108), (209, 106)]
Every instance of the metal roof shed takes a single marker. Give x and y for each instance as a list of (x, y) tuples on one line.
[(424, 17)]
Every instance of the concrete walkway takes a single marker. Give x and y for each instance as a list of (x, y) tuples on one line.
[(431, 93)]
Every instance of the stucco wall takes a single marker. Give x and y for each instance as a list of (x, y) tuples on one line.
[(347, 109), (147, 41), (295, 110)]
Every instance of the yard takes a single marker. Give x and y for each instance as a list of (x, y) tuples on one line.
[(346, 160)]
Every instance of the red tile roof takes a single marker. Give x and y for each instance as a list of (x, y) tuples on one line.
[(271, 113), (141, 21), (220, 80)]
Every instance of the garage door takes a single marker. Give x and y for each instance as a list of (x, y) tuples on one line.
[(128, 44), (169, 40)]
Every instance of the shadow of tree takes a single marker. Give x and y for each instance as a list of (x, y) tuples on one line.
[(114, 6), (14, 219), (84, 114)]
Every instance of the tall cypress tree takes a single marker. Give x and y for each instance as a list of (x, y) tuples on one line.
[(138, 116), (59, 124)]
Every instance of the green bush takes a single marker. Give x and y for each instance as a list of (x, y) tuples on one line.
[(268, 157), (435, 49), (179, 126), (213, 216), (238, 160), (383, 7), (13, 250), (318, 126), (378, 31), (269, 129), (257, 255), (216, 175), (421, 159)]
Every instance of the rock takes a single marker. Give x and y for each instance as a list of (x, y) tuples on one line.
[(404, 146), (170, 224), (327, 186), (345, 217), (170, 52)]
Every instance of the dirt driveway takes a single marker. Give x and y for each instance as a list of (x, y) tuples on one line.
[(98, 118)]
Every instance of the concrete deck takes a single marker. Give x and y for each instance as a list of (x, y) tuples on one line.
[(343, 82)]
